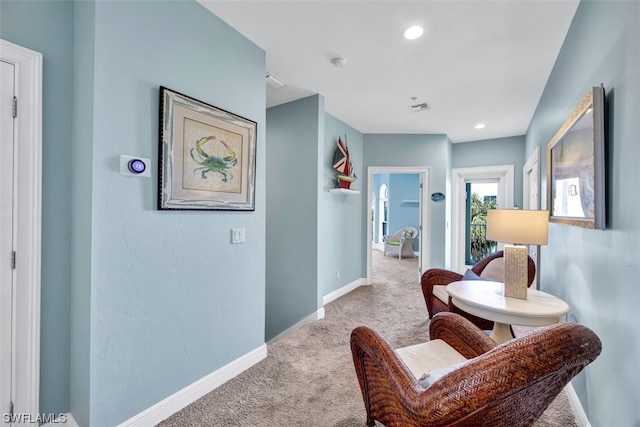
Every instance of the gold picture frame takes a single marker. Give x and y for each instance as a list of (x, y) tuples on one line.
[(207, 156)]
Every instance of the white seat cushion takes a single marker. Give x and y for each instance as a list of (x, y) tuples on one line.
[(424, 357), (440, 292)]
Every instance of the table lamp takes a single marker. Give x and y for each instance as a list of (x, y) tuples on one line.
[(519, 227)]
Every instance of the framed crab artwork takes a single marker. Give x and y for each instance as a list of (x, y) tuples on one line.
[(207, 156)]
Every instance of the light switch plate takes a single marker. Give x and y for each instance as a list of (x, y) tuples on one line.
[(237, 235)]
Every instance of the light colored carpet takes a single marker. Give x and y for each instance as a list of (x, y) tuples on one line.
[(308, 378)]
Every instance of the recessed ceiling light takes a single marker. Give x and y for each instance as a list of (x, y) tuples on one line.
[(480, 126), (413, 32)]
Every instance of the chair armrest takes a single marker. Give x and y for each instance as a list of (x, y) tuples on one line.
[(433, 277), (387, 365), (465, 337)]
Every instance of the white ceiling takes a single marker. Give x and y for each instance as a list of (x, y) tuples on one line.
[(478, 61)]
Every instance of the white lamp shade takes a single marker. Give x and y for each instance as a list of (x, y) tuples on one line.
[(525, 227)]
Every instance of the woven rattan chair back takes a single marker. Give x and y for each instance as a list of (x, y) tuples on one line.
[(509, 384)]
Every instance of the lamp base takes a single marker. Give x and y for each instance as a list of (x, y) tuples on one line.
[(515, 271)]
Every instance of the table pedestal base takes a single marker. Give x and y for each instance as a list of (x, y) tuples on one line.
[(501, 332)]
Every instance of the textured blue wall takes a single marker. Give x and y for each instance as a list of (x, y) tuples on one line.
[(403, 187), (293, 135), (494, 152), (172, 299), (47, 27), (596, 271), (134, 279), (423, 151), (339, 216)]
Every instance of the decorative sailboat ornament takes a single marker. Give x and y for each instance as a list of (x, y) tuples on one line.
[(342, 163)]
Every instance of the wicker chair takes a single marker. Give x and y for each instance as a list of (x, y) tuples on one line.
[(509, 384), (435, 279), (401, 242)]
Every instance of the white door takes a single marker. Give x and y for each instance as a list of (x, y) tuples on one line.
[(7, 72), (20, 222)]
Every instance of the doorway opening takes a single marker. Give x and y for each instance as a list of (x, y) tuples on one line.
[(397, 200)]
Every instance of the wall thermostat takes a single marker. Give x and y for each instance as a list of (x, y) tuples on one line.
[(135, 166)]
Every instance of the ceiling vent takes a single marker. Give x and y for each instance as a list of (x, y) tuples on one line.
[(419, 107)]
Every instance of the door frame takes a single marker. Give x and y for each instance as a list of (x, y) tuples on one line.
[(423, 257), (504, 174), (532, 167), (27, 224)]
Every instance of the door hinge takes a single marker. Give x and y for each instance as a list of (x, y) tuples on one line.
[(13, 260), (11, 410), (420, 185), (15, 107)]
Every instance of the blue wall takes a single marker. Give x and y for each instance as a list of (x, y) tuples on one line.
[(494, 152), (53, 37), (404, 211), (172, 299), (423, 151), (339, 236), (157, 299), (596, 271), (293, 132)]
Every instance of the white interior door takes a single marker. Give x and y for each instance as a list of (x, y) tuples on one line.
[(7, 72), (20, 228)]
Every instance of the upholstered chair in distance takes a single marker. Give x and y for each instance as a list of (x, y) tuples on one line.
[(401, 242), (510, 384), (435, 280)]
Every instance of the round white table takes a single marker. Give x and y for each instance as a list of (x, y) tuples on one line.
[(486, 300)]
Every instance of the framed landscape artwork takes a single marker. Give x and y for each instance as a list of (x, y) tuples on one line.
[(576, 166), (207, 156)]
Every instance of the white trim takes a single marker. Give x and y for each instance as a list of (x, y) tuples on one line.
[(576, 407), (533, 162), (70, 421), (181, 399), (504, 174), (27, 214), (425, 217), (532, 167), (317, 315), (343, 291)]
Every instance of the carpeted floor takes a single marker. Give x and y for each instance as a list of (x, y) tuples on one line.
[(308, 377)]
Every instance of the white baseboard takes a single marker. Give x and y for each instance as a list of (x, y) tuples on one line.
[(343, 291), (576, 407), (182, 398), (69, 421), (310, 318)]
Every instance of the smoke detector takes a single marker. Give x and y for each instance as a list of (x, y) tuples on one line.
[(339, 62)]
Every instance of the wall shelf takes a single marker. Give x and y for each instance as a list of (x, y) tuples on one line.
[(411, 201), (343, 191)]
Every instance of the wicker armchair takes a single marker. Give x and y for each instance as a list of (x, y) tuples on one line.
[(509, 384), (435, 279), (401, 242)]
